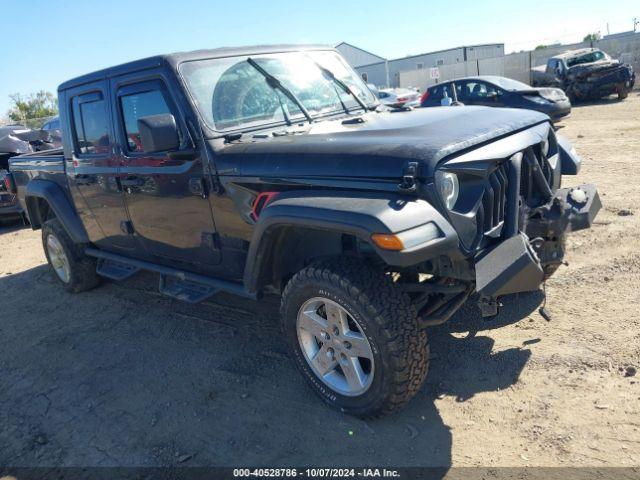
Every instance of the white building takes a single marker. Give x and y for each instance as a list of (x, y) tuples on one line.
[(382, 72)]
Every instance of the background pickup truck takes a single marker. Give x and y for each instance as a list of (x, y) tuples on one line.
[(585, 74), (274, 169)]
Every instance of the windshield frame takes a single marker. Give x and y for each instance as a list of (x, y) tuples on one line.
[(574, 61), (215, 132)]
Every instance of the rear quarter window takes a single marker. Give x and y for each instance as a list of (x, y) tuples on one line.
[(90, 124)]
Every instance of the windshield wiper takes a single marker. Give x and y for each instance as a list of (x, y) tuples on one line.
[(274, 83), (329, 75)]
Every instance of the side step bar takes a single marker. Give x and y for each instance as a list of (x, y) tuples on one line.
[(115, 270), (176, 283)]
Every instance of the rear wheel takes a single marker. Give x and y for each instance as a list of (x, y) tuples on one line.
[(70, 266), (355, 337)]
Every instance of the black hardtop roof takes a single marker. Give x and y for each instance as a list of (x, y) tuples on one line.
[(174, 59)]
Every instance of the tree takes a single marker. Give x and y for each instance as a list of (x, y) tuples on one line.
[(592, 37), (36, 105), (541, 47)]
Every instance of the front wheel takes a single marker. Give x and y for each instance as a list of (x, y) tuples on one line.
[(355, 337), (622, 91)]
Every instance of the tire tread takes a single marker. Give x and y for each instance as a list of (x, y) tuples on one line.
[(394, 318)]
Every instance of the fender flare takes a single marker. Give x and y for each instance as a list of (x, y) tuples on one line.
[(359, 214), (59, 202)]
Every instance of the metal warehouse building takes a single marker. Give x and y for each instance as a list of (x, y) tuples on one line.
[(382, 72)]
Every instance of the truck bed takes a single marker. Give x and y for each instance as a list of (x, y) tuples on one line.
[(45, 161), (45, 165)]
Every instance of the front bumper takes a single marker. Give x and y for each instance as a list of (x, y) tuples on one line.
[(519, 263)]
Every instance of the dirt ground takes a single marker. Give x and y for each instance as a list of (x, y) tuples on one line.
[(124, 376)]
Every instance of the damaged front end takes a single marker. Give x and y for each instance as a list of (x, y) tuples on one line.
[(600, 80), (512, 218), (532, 251)]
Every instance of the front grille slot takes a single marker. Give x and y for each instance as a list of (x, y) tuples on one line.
[(530, 189), (494, 200), (530, 192)]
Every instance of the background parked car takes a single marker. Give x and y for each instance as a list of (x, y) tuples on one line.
[(493, 91), (586, 74), (52, 127), (399, 97), (9, 206), (18, 139)]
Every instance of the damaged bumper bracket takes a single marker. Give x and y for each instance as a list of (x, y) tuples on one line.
[(513, 265)]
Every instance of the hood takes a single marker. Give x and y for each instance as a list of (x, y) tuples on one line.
[(379, 146)]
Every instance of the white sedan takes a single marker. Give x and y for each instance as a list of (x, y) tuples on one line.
[(399, 97)]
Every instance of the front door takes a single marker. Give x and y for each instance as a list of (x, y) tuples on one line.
[(92, 167), (476, 92), (165, 192)]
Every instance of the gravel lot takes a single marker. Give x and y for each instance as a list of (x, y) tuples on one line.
[(124, 376)]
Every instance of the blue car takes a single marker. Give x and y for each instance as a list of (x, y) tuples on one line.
[(494, 91)]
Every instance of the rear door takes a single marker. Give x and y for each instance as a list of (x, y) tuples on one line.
[(92, 167), (166, 193)]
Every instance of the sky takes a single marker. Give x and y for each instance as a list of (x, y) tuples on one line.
[(47, 42)]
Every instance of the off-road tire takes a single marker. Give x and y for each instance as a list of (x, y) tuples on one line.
[(387, 319), (83, 274), (622, 92)]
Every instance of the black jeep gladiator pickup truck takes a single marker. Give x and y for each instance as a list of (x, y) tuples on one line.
[(274, 169)]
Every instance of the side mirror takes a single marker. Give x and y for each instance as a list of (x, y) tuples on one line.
[(158, 133), (492, 95)]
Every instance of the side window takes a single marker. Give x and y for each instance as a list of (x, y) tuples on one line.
[(91, 129), (138, 105), (438, 92), (478, 90)]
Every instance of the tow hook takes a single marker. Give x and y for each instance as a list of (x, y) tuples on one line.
[(488, 307), (409, 175)]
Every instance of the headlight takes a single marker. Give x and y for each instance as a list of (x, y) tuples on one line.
[(449, 188), (536, 99)]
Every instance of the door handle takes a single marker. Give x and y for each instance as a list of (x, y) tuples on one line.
[(198, 186), (183, 154), (82, 179), (132, 182)]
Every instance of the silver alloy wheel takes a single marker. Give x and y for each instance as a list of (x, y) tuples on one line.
[(58, 258), (335, 347)]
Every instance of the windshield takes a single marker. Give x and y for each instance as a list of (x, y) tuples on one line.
[(510, 84), (231, 94), (590, 57)]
